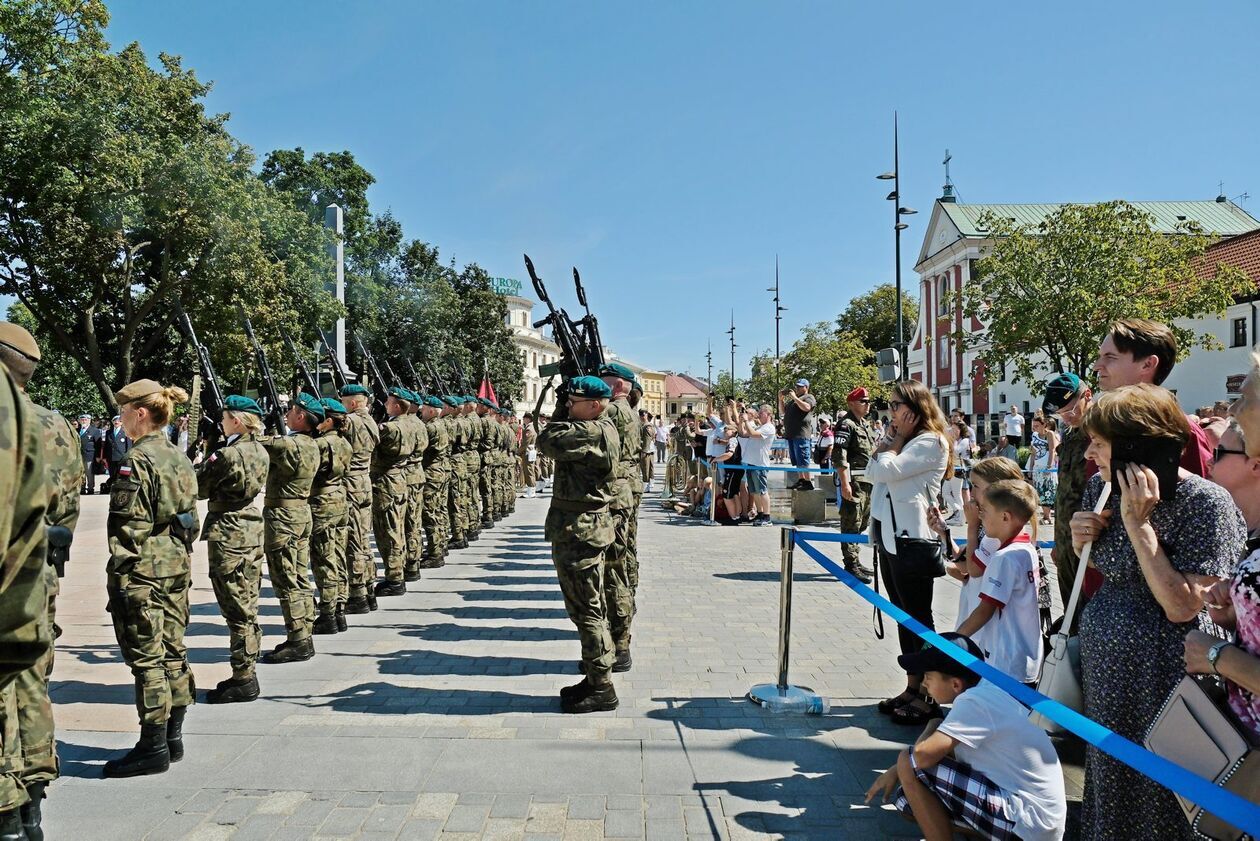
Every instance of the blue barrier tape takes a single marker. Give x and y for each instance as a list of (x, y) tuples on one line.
[(1224, 804), (819, 470), (851, 537)]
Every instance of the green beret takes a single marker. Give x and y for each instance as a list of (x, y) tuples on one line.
[(402, 394), (592, 387), (616, 369), (353, 389), (311, 404), (334, 407), (432, 402), (449, 400), (468, 398), (237, 403), (635, 385)]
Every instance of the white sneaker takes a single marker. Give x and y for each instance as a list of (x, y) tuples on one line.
[(529, 493)]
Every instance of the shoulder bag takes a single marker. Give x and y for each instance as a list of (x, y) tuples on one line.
[(1200, 733), (1060, 673), (916, 556)]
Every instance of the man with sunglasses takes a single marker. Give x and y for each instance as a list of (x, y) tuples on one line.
[(855, 441), (1068, 398)]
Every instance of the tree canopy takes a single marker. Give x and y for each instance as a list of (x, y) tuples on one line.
[(872, 317)]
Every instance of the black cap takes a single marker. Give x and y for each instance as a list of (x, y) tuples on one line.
[(1061, 389), (931, 659)]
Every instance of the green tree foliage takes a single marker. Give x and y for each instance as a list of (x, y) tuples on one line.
[(872, 317), (724, 387), (1047, 293), (59, 382), (833, 362)]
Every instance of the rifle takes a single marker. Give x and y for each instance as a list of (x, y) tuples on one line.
[(573, 361), (340, 377), (273, 417), (304, 373), (433, 375), (416, 382), (380, 391), (210, 424), (594, 345), (462, 381), (393, 378)]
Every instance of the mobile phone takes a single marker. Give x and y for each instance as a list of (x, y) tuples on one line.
[(1161, 455)]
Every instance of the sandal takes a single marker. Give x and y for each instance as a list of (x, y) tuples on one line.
[(917, 713), (891, 705)]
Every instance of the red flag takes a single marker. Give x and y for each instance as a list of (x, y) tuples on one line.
[(486, 390)]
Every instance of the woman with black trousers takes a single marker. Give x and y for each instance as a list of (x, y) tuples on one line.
[(906, 473)]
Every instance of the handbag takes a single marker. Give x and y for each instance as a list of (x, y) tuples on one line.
[(1199, 732), (1060, 671), (917, 556)]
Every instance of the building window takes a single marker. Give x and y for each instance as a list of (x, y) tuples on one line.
[(533, 360), (1239, 333), (944, 344)]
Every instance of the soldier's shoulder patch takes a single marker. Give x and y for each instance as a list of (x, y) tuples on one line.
[(213, 458), (124, 472), (844, 434)]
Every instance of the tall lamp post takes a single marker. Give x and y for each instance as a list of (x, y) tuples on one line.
[(899, 210), (778, 317), (733, 346)]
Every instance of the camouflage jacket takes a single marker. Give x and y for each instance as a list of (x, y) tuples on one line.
[(63, 465), (1072, 478), (155, 487), (393, 449), (437, 457), (587, 455), (294, 462), (231, 478), (855, 441), (25, 633), (419, 431), (362, 433), (627, 424), (328, 491)]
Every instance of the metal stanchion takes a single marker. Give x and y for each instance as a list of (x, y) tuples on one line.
[(782, 697)]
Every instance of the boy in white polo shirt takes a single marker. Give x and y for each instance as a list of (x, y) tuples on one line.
[(985, 765)]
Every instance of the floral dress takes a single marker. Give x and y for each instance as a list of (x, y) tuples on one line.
[(1046, 483), (1245, 595), (1131, 654)]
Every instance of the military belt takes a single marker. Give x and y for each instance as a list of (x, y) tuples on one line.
[(222, 507), (578, 506), (285, 502)]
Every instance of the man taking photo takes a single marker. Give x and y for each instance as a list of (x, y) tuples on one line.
[(796, 405)]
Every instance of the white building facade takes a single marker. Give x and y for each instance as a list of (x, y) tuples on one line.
[(536, 350), (955, 240)]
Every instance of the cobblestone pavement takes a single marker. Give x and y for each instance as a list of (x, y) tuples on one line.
[(437, 716)]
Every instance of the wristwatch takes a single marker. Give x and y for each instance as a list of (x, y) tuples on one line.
[(1214, 653)]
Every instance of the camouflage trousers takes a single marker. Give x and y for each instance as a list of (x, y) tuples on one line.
[(389, 515), (632, 548), (34, 708), (288, 547), (507, 485), (12, 792), (578, 544), (413, 523), (150, 616), (436, 514), (485, 491), (359, 558), (618, 590), (470, 495), (328, 559), (855, 518), (235, 574), (457, 514)]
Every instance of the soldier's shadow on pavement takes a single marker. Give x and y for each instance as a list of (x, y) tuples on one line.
[(514, 580), (514, 566), (382, 698), (423, 663), (452, 632), (514, 613), (212, 609), (549, 595), (80, 691), (100, 653), (772, 575)]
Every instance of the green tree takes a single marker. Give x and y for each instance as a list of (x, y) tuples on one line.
[(834, 363), (1048, 292), (723, 386), (59, 382), (872, 316)]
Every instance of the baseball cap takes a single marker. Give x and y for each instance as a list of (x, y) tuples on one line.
[(1061, 389), (932, 659), (803, 381)]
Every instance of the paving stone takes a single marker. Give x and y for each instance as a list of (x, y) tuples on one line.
[(259, 828), (359, 799), (386, 818), (620, 802), (466, 819), (420, 829), (175, 827), (234, 811), (587, 807), (666, 830), (510, 806), (342, 823), (623, 824)]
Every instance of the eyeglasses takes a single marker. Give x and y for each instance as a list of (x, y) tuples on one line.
[(895, 404), (863, 400), (1220, 451)]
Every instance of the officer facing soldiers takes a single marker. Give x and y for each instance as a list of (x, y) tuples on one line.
[(855, 441), (152, 526), (389, 491), (329, 516), (413, 523), (583, 441), (25, 637), (64, 468), (527, 451), (437, 478), (287, 526), (622, 564), (230, 479), (362, 433)]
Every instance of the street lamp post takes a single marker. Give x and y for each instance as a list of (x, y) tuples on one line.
[(899, 210), (733, 346), (778, 317)]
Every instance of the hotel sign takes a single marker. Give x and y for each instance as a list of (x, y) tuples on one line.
[(505, 285)]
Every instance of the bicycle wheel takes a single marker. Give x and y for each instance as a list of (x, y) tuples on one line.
[(676, 473)]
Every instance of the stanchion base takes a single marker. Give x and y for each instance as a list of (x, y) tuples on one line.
[(792, 699)]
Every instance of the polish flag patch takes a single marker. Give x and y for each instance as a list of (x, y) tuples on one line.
[(125, 470)]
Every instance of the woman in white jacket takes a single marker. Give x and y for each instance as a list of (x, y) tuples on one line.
[(906, 474)]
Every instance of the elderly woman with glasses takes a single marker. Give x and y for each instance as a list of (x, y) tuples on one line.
[(1159, 554)]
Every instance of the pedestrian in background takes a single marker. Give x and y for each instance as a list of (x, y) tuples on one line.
[(797, 405), (661, 431), (115, 448), (91, 439)]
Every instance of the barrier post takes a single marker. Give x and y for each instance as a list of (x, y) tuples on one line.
[(782, 697)]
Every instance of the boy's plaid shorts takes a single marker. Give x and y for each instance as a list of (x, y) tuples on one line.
[(969, 796)]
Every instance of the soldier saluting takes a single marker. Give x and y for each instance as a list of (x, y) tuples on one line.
[(855, 441), (584, 443)]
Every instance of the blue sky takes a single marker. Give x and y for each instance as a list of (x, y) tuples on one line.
[(669, 150)]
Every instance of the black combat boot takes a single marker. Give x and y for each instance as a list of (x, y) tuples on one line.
[(431, 561), (175, 733), (234, 690), (357, 604), (858, 571), (291, 652), (461, 543), (30, 812), (341, 619), (624, 661), (411, 573), (487, 524), (149, 756), (390, 588), (575, 690), (371, 600), (11, 826), (326, 623), (592, 700)]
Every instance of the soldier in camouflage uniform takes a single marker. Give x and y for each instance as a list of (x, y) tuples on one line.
[(1068, 398), (472, 466), (64, 468), (855, 442), (389, 491), (527, 451), (362, 433), (583, 441), (230, 479), (287, 526), (457, 513), (25, 635), (329, 520), (437, 478), (622, 563), (511, 437), (152, 526), (414, 522)]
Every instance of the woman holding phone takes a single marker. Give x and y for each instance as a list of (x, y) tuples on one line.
[(1159, 556), (905, 473)]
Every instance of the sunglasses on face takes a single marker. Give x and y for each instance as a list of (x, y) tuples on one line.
[(1220, 451)]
